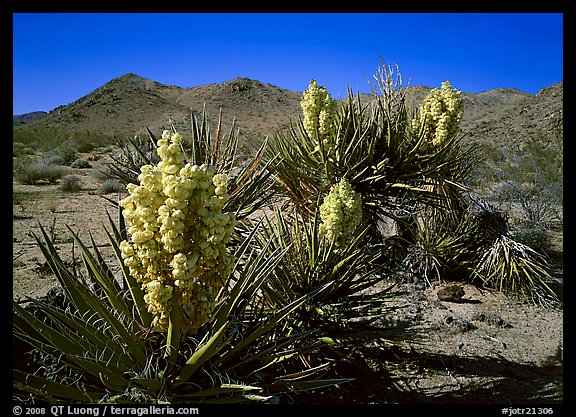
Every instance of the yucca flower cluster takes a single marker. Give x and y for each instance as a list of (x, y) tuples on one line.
[(340, 213), (319, 110), (440, 114), (178, 235)]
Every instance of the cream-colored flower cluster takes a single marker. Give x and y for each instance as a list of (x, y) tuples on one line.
[(178, 235), (440, 114), (340, 213), (319, 110)]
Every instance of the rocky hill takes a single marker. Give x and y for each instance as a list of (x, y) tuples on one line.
[(26, 117), (128, 104), (508, 116)]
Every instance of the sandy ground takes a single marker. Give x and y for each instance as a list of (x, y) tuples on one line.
[(488, 349), (84, 211)]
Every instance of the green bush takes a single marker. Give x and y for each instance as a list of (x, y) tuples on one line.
[(536, 238)]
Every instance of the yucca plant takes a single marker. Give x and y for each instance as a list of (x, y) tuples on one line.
[(516, 270), (185, 312), (499, 261), (376, 145), (313, 262), (476, 246), (103, 336), (436, 251)]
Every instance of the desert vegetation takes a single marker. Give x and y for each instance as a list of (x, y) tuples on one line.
[(248, 274)]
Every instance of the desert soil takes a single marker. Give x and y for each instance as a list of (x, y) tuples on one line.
[(487, 349)]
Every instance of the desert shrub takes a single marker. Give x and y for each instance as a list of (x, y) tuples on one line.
[(112, 185), (107, 149), (40, 172), (80, 163), (527, 177), (84, 145), (39, 139), (53, 159), (67, 152), (70, 183), (19, 148), (536, 238), (47, 138)]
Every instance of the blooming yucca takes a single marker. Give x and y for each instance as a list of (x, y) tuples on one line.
[(319, 110), (178, 235), (341, 213), (440, 114)]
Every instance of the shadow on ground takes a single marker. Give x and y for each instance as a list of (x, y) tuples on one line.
[(392, 375)]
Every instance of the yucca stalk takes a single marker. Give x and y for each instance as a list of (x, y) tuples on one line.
[(102, 336)]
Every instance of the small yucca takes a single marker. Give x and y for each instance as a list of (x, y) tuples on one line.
[(516, 270)]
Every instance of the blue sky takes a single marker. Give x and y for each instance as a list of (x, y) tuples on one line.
[(60, 57)]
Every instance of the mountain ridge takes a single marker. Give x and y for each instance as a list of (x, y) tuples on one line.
[(127, 104)]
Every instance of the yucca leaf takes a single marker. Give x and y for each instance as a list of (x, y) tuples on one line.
[(238, 399), (88, 304), (272, 353), (70, 347), (300, 386), (52, 389), (266, 327), (224, 389), (173, 335), (253, 273), (154, 385), (95, 340), (201, 355), (102, 276), (136, 293), (47, 334), (68, 282)]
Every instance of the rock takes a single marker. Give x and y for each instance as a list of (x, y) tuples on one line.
[(458, 325), (452, 293), (490, 318)]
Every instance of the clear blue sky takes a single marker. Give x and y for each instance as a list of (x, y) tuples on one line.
[(60, 57)]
